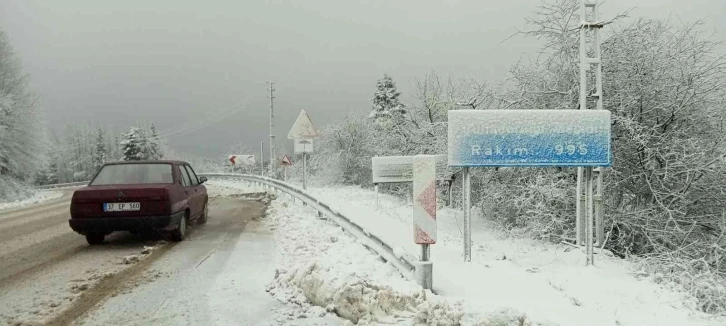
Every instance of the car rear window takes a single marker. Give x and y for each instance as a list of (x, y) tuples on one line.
[(119, 174)]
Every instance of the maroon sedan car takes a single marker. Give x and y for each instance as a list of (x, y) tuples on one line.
[(140, 196)]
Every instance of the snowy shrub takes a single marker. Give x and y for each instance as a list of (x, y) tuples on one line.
[(344, 155), (538, 201), (664, 194), (11, 189)]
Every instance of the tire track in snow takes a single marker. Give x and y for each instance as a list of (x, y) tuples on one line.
[(10, 218), (27, 228), (107, 286)]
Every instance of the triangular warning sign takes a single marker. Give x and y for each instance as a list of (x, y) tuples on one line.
[(286, 160), (303, 128)]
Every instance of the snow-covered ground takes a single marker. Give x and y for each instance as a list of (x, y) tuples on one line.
[(39, 197), (322, 269), (517, 278)]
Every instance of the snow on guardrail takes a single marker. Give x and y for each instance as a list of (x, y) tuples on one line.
[(63, 185)]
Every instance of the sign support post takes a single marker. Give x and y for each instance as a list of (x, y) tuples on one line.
[(305, 171), (376, 185), (579, 227), (466, 183), (599, 207), (589, 224)]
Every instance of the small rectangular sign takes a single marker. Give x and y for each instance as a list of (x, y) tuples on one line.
[(529, 138), (391, 169), (394, 169), (241, 159), (303, 146)]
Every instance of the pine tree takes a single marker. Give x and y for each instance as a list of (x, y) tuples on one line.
[(48, 175), (153, 151), (386, 103), (131, 145), (100, 154)]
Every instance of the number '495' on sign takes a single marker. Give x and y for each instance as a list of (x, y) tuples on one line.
[(571, 149), (529, 138)]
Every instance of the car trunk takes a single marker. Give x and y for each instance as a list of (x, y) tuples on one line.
[(153, 198)]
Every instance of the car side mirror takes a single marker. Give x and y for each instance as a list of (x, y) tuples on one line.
[(203, 179)]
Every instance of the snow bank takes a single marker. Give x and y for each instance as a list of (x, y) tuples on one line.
[(320, 265), (512, 280), (34, 199)]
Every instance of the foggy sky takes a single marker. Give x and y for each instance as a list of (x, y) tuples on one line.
[(175, 63)]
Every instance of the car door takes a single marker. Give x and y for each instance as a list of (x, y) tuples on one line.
[(189, 191), (200, 190), (195, 190)]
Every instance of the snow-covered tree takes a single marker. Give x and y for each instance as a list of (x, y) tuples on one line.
[(101, 153), (153, 148), (386, 103), (20, 129), (132, 145), (345, 152), (140, 144)]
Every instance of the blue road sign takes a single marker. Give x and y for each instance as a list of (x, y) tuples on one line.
[(529, 138)]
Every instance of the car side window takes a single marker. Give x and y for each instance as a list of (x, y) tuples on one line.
[(185, 177), (192, 175)]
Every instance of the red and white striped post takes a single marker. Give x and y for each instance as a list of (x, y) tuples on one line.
[(424, 213)]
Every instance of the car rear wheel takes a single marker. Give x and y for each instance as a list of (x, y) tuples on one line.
[(205, 213), (181, 229), (95, 238)]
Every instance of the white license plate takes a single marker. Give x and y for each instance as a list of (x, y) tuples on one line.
[(121, 207)]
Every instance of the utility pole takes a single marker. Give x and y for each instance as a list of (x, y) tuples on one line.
[(589, 205), (273, 158)]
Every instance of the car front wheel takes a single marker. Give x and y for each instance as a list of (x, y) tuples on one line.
[(95, 238), (181, 229)]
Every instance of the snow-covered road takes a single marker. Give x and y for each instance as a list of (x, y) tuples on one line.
[(217, 276), (47, 270)]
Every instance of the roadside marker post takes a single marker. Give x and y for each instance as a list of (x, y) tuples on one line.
[(424, 214)]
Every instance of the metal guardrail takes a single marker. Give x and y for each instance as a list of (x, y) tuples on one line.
[(63, 185), (409, 266)]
